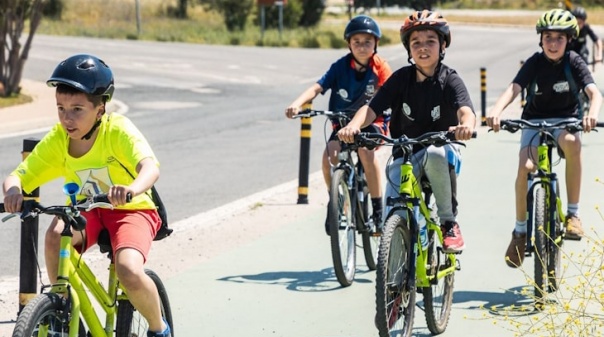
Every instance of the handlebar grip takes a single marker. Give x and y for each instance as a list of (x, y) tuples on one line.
[(104, 198), (600, 124), (79, 222), (2, 210)]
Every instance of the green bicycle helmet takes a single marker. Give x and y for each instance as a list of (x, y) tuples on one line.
[(558, 20)]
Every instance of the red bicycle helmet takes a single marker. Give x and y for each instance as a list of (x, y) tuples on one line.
[(425, 19)]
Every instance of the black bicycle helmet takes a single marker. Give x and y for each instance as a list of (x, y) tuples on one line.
[(580, 13), (86, 73), (362, 24), (559, 20), (425, 19)]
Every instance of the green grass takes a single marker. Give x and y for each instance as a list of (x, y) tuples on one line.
[(14, 100)]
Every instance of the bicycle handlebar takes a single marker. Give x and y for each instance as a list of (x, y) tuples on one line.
[(327, 113), (572, 126), (437, 138), (68, 213)]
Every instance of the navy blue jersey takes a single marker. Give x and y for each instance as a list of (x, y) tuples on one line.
[(350, 89)]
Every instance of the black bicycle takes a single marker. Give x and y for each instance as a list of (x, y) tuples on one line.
[(350, 207)]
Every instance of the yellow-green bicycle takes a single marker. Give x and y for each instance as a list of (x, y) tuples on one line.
[(66, 307), (407, 265)]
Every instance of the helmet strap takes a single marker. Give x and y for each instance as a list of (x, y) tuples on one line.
[(94, 127)]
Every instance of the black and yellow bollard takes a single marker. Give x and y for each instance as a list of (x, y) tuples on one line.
[(483, 95), (303, 171), (28, 279)]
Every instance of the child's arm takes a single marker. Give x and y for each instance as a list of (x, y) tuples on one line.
[(503, 101), (148, 173), (13, 197), (595, 101), (307, 96)]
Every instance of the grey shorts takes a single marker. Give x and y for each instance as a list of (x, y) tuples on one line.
[(531, 137)]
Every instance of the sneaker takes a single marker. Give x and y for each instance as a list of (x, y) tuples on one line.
[(452, 239), (165, 333), (573, 228), (378, 226), (514, 255)]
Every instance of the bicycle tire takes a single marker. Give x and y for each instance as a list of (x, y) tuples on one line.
[(342, 229), (131, 323), (370, 242), (554, 255), (541, 254), (438, 298), (394, 287), (49, 310)]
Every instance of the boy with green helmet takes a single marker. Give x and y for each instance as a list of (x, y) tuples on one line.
[(550, 97)]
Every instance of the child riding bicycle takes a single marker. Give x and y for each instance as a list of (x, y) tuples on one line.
[(425, 96), (96, 150), (353, 80), (579, 44), (551, 95)]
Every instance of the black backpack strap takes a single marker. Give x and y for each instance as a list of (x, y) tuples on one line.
[(572, 84)]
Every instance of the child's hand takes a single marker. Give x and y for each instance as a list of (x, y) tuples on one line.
[(118, 195), (291, 111), (13, 201), (347, 133), (493, 123)]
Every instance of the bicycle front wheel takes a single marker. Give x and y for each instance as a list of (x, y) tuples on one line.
[(130, 323), (438, 298), (541, 256), (342, 229), (394, 286), (554, 245), (47, 315)]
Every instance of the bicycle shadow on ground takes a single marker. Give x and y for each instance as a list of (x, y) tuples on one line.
[(516, 301), (308, 281)]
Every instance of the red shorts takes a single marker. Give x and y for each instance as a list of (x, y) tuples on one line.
[(127, 228)]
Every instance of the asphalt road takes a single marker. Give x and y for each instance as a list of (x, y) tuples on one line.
[(214, 116)]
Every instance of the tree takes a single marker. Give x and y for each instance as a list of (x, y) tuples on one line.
[(234, 12), (14, 14)]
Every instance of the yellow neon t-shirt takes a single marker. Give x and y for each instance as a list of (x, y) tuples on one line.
[(118, 143)]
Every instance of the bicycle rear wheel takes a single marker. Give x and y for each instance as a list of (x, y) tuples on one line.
[(438, 298), (370, 242), (342, 229), (130, 323), (47, 315), (541, 256), (394, 286)]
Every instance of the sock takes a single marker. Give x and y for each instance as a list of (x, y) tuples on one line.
[(573, 209), (376, 203), (520, 226)]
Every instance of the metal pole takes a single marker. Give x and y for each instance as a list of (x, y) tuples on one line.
[(483, 95), (262, 21), (28, 279), (303, 171), (280, 4), (138, 17)]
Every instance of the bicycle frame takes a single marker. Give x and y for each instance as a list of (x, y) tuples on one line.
[(74, 278), (548, 180), (410, 196), (355, 172)]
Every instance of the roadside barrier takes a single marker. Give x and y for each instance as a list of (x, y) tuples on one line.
[(303, 170), (483, 95), (28, 279)]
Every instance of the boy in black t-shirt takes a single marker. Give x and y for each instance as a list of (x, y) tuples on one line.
[(423, 97), (550, 97)]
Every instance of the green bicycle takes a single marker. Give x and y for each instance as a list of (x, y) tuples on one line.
[(545, 216), (408, 263), (66, 305)]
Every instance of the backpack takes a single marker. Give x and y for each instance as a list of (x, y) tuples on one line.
[(163, 230)]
